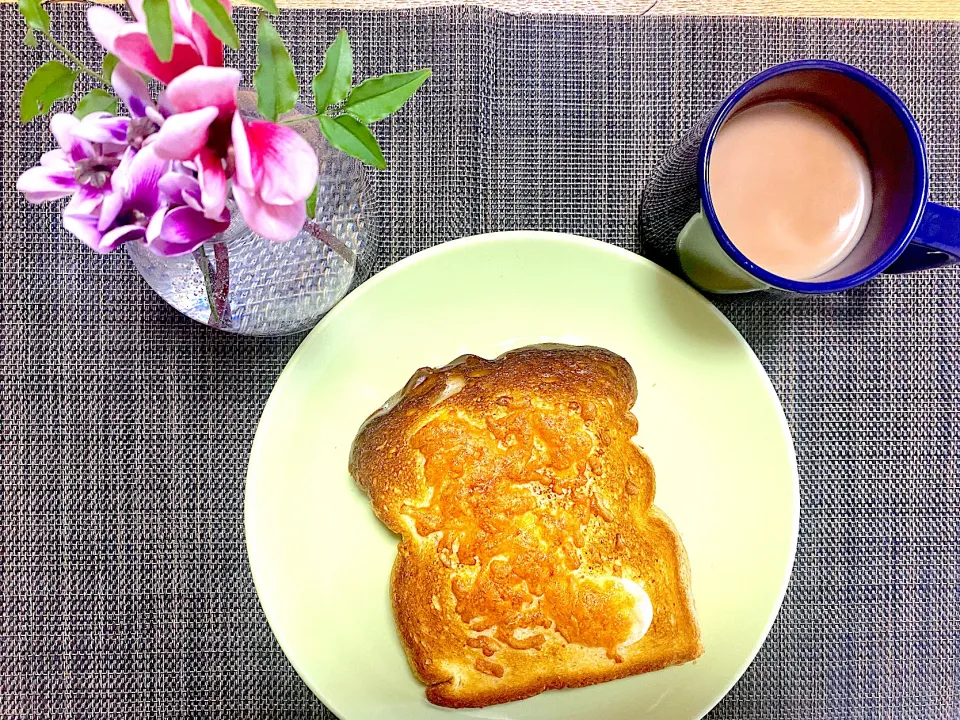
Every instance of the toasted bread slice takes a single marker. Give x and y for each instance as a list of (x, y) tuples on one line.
[(531, 556)]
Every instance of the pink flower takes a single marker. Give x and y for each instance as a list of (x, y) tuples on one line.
[(202, 100), (276, 171), (275, 168), (193, 42)]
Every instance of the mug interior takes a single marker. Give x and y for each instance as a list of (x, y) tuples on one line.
[(890, 140)]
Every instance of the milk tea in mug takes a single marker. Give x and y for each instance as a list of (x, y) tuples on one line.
[(791, 187)]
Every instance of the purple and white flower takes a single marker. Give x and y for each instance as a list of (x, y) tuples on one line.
[(155, 204), (122, 189), (79, 162)]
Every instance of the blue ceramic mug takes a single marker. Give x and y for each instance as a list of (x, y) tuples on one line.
[(905, 231)]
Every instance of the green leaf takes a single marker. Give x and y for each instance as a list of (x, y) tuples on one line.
[(30, 38), (376, 98), (354, 138), (159, 27), (96, 100), (275, 79), (219, 21), (332, 83), (35, 15), (269, 5), (312, 202), (109, 65), (51, 81)]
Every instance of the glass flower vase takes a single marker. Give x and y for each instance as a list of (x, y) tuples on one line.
[(244, 283)]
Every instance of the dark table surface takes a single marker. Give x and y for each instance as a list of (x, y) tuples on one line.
[(125, 429)]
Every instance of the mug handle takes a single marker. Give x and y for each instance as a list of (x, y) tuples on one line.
[(935, 244)]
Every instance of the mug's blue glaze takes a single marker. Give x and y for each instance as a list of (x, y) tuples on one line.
[(936, 242)]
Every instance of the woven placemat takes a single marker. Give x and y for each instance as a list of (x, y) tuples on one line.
[(124, 428)]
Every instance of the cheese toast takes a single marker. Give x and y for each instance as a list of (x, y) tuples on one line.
[(531, 556)]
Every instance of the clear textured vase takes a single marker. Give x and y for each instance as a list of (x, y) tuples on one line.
[(242, 282)]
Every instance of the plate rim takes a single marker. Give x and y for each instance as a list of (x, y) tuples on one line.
[(490, 238)]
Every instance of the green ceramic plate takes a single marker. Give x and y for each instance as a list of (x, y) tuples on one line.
[(709, 419)]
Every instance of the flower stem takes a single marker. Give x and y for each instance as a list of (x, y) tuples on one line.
[(74, 59), (221, 281), (203, 263), (301, 118), (331, 241)]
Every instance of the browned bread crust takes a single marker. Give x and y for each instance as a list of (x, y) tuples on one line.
[(520, 500)]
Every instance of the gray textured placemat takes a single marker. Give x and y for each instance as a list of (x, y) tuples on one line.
[(124, 588)]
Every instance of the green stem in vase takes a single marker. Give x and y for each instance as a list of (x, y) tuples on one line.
[(200, 255), (221, 281), (330, 240)]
